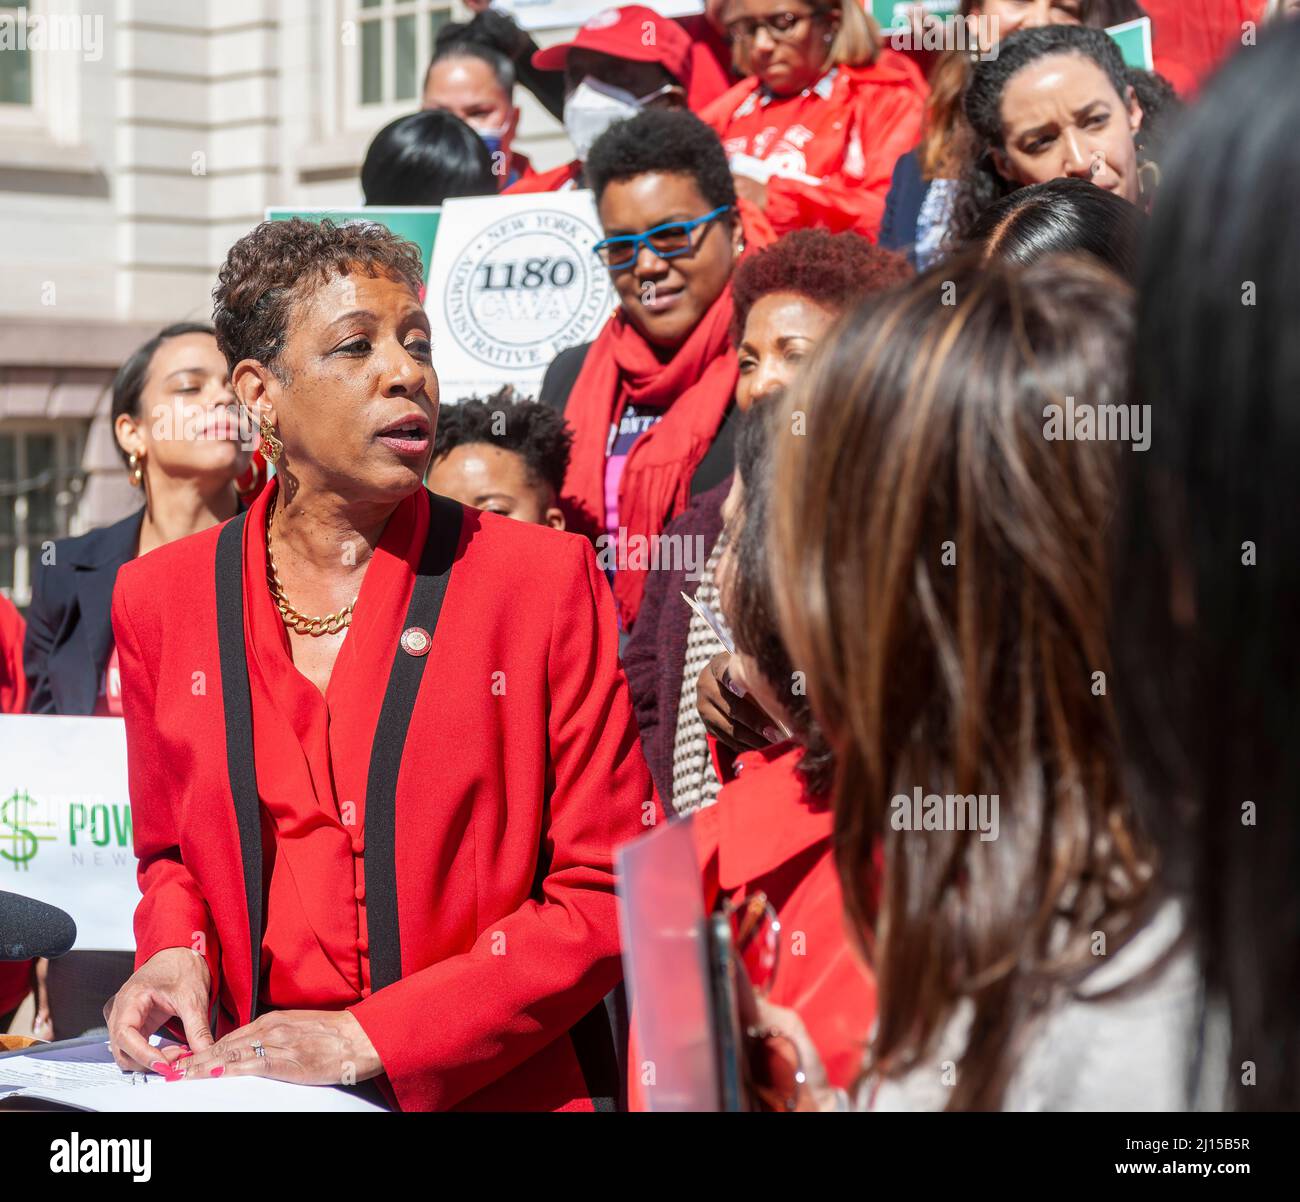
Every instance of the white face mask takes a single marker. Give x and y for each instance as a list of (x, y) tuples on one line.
[(591, 108)]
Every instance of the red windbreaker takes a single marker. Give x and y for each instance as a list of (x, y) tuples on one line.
[(711, 70), (1191, 38), (844, 135), (566, 175)]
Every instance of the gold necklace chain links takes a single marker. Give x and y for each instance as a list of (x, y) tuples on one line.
[(296, 620)]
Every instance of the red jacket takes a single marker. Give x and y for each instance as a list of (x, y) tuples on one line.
[(567, 175), (1190, 38), (14, 977), (847, 131), (711, 69), (13, 683), (519, 775), (768, 832), (521, 169)]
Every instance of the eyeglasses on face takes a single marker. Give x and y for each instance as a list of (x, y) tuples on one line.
[(782, 27), (666, 241)]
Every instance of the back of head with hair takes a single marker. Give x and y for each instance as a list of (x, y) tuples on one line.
[(1208, 579), (667, 141), (1063, 216), (424, 158), (943, 588), (533, 431)]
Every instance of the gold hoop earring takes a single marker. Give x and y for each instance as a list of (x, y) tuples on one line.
[(272, 447), (135, 464)]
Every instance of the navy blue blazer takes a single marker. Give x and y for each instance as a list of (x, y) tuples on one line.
[(69, 627), (907, 191)]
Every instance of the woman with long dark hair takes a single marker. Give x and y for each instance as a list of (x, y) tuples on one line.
[(943, 588), (177, 430), (1208, 579)]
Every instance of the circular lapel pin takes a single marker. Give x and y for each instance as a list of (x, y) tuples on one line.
[(416, 640)]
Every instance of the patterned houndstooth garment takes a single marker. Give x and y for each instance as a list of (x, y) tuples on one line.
[(695, 783)]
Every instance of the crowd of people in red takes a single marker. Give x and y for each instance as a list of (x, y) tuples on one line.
[(860, 281)]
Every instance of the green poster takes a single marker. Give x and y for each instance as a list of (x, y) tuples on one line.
[(1134, 40), (889, 13), (415, 224)]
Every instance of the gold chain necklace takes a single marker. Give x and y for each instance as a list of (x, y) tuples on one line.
[(294, 619)]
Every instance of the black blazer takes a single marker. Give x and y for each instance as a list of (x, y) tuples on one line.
[(69, 627), (907, 192)]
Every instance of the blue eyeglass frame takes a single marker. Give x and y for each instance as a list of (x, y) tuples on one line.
[(637, 241)]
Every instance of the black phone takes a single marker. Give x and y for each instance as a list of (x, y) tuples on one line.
[(724, 999)]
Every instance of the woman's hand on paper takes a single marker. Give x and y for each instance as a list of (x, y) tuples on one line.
[(307, 1047), (172, 983)]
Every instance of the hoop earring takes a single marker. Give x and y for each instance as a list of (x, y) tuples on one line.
[(1148, 177), (135, 465), (254, 481), (272, 447)]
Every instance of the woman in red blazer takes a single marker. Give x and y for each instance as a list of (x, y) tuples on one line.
[(380, 748)]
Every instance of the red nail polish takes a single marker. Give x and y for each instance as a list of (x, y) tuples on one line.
[(216, 1072), (160, 1066), (172, 1077), (185, 1053)]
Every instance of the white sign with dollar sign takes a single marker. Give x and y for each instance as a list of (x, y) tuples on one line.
[(65, 823)]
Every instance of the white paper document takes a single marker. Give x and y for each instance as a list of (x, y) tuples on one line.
[(84, 1075)]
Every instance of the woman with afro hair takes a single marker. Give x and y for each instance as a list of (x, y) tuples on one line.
[(786, 297), (503, 456)]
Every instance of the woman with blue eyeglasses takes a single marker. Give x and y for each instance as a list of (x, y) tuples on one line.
[(649, 399)]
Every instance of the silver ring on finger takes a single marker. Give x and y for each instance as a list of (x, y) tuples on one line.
[(258, 1049)]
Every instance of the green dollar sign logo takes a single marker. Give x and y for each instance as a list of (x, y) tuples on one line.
[(15, 824)]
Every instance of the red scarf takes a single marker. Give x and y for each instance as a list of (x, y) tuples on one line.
[(694, 388)]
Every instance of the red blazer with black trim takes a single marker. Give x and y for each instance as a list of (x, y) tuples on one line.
[(521, 773)]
